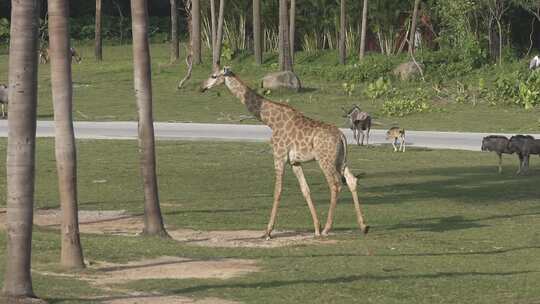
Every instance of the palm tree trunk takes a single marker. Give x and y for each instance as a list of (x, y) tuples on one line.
[(285, 62), (98, 50), (175, 50), (20, 163), (257, 33), (292, 28), (217, 44), (343, 25), (196, 31), (153, 222), (66, 159), (364, 29), (413, 26)]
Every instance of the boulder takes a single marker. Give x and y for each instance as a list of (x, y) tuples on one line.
[(279, 80), (408, 70)]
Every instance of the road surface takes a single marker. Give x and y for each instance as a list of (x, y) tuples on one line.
[(231, 132)]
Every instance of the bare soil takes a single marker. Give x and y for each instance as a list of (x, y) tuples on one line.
[(119, 222), (157, 299), (171, 268)]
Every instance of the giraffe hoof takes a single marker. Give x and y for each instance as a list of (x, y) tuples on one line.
[(267, 236), (325, 233), (365, 229)]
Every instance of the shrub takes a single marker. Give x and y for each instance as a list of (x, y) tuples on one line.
[(405, 105), (378, 88)]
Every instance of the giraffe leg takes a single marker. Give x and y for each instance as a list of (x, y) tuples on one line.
[(334, 183), (279, 164), (500, 162), (351, 183), (394, 145), (297, 169), (402, 147)]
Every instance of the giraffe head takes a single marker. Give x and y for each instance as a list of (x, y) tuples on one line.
[(217, 78)]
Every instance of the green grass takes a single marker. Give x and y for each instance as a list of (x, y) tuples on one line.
[(446, 228), (105, 92)]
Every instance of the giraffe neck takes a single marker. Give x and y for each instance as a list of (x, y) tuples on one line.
[(247, 96)]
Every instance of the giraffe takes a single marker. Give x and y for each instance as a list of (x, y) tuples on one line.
[(296, 139)]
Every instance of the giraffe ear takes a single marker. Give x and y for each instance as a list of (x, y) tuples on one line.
[(227, 71)]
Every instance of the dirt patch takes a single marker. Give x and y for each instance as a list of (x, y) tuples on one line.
[(172, 268), (246, 238), (119, 222), (147, 299)]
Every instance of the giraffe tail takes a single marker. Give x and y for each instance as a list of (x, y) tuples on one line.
[(341, 158)]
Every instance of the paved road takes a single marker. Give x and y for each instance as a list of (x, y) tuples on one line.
[(230, 132)]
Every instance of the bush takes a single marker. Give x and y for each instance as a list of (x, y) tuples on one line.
[(519, 87), (404, 105)]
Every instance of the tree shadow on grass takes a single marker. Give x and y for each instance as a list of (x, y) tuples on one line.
[(201, 288), (474, 185)]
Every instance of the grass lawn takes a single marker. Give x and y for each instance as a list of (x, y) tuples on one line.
[(105, 92), (446, 228)]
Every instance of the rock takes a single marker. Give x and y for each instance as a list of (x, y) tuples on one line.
[(278, 80), (408, 70)]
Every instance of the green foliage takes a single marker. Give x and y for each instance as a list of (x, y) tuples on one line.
[(226, 52), (457, 39), (349, 88), (405, 105), (378, 88), (370, 69), (4, 30), (519, 88)]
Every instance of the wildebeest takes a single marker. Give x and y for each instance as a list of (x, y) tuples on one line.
[(497, 144), (360, 124), (395, 134), (523, 146), (4, 92)]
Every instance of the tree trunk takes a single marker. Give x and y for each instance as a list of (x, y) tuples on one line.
[(98, 50), (257, 33), (66, 156), (413, 27), (342, 22), (285, 62), (20, 163), (364, 30), (292, 29), (175, 50), (218, 42), (196, 31), (153, 222)]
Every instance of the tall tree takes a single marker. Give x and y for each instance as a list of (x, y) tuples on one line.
[(257, 32), (364, 30), (66, 156), (292, 28), (175, 50), (153, 221), (196, 31), (20, 163), (217, 32), (342, 29), (98, 50), (285, 62), (412, 34)]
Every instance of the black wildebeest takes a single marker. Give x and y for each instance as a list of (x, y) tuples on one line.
[(523, 146), (360, 124), (497, 144)]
